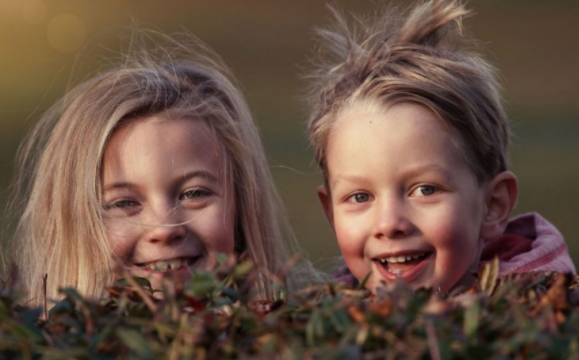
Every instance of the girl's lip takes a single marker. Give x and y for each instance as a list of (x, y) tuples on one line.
[(406, 275), (183, 270), (191, 258), (173, 266)]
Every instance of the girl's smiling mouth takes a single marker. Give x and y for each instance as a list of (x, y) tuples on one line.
[(169, 265), (405, 266)]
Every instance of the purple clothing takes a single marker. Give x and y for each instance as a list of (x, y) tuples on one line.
[(529, 243)]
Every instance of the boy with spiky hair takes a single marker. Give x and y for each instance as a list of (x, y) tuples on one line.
[(412, 139)]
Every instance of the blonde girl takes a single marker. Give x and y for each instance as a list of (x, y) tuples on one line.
[(155, 166)]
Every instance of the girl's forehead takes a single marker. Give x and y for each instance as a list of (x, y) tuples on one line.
[(152, 145), (160, 128)]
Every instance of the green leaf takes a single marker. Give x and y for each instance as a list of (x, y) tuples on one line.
[(471, 320), (135, 341), (144, 282)]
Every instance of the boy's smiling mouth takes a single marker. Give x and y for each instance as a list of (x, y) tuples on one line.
[(404, 265)]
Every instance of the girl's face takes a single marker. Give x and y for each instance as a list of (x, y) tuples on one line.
[(169, 205), (402, 200)]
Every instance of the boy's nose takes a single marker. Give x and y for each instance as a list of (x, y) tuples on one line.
[(391, 221)]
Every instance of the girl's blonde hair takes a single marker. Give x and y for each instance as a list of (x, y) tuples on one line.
[(58, 189), (423, 57)]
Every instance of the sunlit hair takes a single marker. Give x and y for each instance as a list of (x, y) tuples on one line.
[(61, 231), (420, 56)]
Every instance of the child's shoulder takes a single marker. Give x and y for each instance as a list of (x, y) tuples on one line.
[(530, 243)]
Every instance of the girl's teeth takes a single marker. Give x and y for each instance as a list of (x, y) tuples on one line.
[(162, 265), (167, 265)]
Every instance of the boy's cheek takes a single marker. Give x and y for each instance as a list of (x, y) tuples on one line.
[(351, 241), (350, 234)]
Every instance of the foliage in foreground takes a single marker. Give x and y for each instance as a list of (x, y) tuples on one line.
[(530, 316)]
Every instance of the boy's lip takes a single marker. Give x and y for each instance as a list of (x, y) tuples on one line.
[(408, 275), (400, 253)]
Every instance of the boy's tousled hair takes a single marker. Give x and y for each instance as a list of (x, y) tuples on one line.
[(422, 57), (61, 231)]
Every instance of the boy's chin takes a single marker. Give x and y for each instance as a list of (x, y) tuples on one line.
[(375, 283), (464, 284)]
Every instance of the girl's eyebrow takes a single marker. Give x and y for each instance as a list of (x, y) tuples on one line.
[(207, 175), (118, 185)]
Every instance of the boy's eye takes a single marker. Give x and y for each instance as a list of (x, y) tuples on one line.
[(360, 197), (424, 190), (195, 194)]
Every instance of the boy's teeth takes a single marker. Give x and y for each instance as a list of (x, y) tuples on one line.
[(401, 258)]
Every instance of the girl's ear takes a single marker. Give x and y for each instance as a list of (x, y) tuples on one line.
[(502, 193), (326, 200)]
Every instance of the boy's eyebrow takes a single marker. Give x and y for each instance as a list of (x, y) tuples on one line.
[(419, 170), (348, 178), (413, 172), (186, 176)]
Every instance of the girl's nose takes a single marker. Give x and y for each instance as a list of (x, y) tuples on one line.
[(391, 221), (166, 228), (166, 234)]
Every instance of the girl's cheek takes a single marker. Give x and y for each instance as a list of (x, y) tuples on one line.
[(122, 239), (223, 244)]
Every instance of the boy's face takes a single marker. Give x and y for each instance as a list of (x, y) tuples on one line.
[(402, 200)]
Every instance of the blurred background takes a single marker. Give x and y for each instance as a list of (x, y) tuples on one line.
[(46, 46)]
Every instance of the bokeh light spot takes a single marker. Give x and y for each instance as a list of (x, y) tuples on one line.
[(34, 11), (66, 33)]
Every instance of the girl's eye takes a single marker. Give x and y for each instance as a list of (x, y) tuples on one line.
[(121, 204), (360, 198), (424, 190), (194, 194)]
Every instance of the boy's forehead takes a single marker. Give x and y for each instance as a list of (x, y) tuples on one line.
[(359, 107), (374, 109), (407, 134)]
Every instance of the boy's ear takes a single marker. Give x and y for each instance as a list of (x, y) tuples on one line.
[(501, 198), (326, 200)]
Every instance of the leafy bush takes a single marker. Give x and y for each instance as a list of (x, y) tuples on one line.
[(527, 316)]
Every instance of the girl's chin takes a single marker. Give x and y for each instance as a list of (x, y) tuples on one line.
[(167, 278)]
